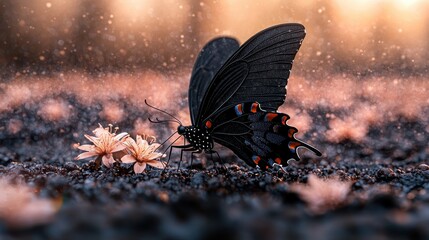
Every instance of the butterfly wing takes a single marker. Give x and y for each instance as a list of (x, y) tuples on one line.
[(240, 103), (257, 72), (211, 58), (257, 136)]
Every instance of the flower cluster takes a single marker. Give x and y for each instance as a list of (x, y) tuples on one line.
[(108, 147)]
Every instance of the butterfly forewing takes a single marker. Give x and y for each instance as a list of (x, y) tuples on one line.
[(257, 72)]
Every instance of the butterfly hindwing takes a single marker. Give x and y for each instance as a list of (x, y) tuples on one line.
[(257, 136), (211, 58)]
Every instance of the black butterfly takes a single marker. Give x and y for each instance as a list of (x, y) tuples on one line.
[(234, 95)]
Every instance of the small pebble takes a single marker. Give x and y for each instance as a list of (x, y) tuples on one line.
[(385, 174), (424, 167), (70, 166)]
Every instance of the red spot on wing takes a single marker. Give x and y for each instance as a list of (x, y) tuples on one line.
[(291, 132), (208, 124), (294, 145), (278, 160), (270, 116), (284, 119), (256, 159), (254, 108)]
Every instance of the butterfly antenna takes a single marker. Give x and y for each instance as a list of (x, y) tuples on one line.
[(162, 121), (178, 121)]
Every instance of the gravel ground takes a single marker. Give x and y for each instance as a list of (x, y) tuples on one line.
[(377, 184)]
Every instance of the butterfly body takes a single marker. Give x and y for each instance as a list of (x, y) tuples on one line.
[(199, 138), (235, 92)]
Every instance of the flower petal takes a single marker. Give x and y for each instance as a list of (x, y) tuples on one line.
[(139, 139), (121, 135), (148, 150), (100, 130), (87, 147), (139, 167), (134, 144), (108, 160), (93, 139), (154, 156), (142, 144), (128, 159), (156, 164), (118, 147), (130, 141), (152, 148), (86, 155)]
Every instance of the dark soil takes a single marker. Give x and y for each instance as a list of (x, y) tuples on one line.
[(389, 196)]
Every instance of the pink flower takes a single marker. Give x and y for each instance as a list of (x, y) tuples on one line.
[(106, 142), (143, 152), (322, 195), (21, 208)]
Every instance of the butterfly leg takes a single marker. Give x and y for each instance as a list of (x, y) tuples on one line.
[(192, 156), (211, 156), (218, 156), (181, 155), (211, 151), (181, 158), (168, 161), (187, 147)]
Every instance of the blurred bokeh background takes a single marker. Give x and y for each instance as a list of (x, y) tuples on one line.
[(362, 63), (358, 92), (359, 37)]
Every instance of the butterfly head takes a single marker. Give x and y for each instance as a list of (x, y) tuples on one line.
[(181, 129)]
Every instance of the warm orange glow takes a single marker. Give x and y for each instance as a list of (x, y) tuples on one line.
[(132, 9), (359, 36), (407, 3), (148, 15)]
